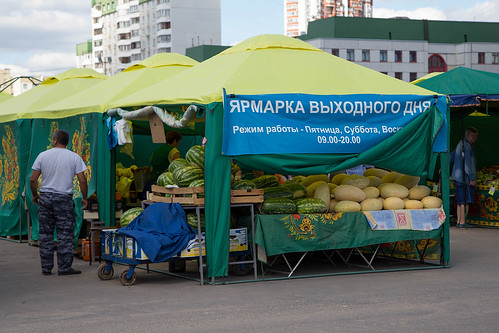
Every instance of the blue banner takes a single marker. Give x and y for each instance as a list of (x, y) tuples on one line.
[(299, 123)]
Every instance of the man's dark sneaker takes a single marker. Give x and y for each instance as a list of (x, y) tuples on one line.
[(70, 272), (46, 273)]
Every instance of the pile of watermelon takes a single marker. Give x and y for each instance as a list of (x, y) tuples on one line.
[(288, 198), (188, 172)]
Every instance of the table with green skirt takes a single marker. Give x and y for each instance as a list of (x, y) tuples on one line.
[(280, 234)]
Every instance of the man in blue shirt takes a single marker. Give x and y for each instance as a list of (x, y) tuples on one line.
[(464, 174)]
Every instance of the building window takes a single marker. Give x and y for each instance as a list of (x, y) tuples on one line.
[(164, 39), (335, 52), (398, 75), (436, 64), (413, 76), (481, 57), (413, 56), (383, 56), (495, 58), (366, 56), (398, 56), (164, 25), (350, 55), (135, 20)]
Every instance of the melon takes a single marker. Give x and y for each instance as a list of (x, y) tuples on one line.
[(332, 187), (380, 173), (323, 193), (393, 203), (407, 181), (356, 180), (371, 204), (311, 188), (374, 181), (390, 177), (350, 193), (431, 202), (419, 192), (337, 179), (394, 190), (309, 180), (371, 192), (346, 206), (332, 204), (413, 204)]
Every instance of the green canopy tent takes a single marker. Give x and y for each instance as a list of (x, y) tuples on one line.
[(471, 90), (274, 64), (83, 113), (23, 139), (474, 101)]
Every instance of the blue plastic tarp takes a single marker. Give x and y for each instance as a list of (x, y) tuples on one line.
[(161, 230)]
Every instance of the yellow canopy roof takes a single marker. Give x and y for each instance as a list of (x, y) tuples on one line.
[(269, 64), (135, 77), (4, 96), (49, 91), (426, 77)]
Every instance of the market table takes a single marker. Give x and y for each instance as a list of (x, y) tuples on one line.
[(292, 233)]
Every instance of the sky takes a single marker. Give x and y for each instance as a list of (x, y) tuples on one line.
[(40, 36)]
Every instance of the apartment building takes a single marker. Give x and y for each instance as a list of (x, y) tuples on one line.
[(125, 32), (408, 49), (298, 13), (84, 55)]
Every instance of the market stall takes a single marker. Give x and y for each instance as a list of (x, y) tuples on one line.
[(263, 73), (81, 114), (474, 97), (19, 138)]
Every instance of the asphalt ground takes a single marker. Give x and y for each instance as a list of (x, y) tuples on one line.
[(463, 298)]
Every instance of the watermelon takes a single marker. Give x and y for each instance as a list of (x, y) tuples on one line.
[(277, 192), (195, 156), (178, 162), (166, 178), (310, 206), (198, 183), (129, 215), (183, 176), (244, 184), (192, 220), (266, 181), (298, 190), (278, 206)]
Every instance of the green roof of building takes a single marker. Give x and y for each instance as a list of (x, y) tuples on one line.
[(403, 29), (202, 52), (84, 48)]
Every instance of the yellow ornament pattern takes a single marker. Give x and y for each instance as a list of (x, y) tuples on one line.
[(9, 167)]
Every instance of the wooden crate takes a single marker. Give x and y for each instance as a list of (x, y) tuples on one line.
[(246, 196), (177, 195)]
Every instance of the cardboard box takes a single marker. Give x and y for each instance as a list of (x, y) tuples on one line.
[(122, 246), (238, 242)]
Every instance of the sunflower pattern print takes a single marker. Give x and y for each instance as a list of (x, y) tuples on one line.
[(303, 227), (9, 167), (81, 146)]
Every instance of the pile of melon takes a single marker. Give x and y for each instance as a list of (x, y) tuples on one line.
[(377, 189)]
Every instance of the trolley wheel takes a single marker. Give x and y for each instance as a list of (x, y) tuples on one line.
[(127, 282), (101, 272), (176, 266)]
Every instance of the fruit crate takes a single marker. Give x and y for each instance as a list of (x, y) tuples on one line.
[(191, 195)]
